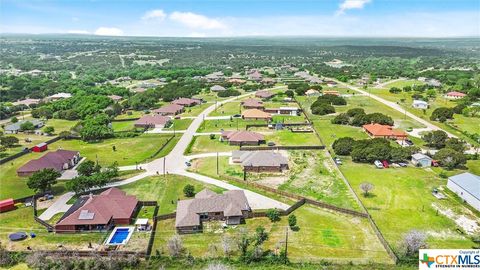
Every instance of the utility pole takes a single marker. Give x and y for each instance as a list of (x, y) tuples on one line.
[(164, 161), (217, 163)]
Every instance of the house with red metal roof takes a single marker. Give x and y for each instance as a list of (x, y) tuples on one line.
[(153, 121), (242, 137), (384, 131), (59, 160), (455, 95), (99, 212)]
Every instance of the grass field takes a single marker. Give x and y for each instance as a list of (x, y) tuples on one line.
[(195, 110), (234, 124), (229, 108), (130, 115), (180, 124), (123, 126), (165, 190), (402, 201), (203, 144), (322, 236), (21, 220)]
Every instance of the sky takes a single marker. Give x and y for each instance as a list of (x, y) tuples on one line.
[(229, 18)]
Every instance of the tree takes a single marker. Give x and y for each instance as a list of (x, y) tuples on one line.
[(290, 93), (65, 134), (399, 154), (450, 158), (455, 144), (412, 242), (355, 111), (436, 138), (14, 119), (343, 146), (395, 90), (442, 114), (322, 108), (431, 93), (96, 127), (243, 241), (366, 187), (8, 141), (260, 236), (189, 190), (175, 246), (292, 221), (341, 119), (273, 214), (87, 168), (49, 130), (43, 180), (27, 126)]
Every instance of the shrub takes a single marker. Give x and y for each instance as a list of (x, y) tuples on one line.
[(322, 109), (228, 93), (292, 221), (355, 111), (343, 146), (442, 114), (189, 190), (341, 119), (450, 158), (273, 215)]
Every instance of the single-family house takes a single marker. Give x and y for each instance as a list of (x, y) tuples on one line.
[(421, 160), (242, 137), (41, 147), (264, 94), (260, 161), (187, 102), (331, 83), (16, 127), (284, 110), (58, 96), (139, 90), (384, 131), (434, 83), (115, 98), (237, 81), (331, 92), (420, 104), (267, 81), (231, 206), (312, 93), (252, 103), (455, 95), (169, 109), (27, 102), (217, 88), (214, 76), (59, 160), (99, 212), (466, 186), (255, 76), (153, 121), (256, 114)]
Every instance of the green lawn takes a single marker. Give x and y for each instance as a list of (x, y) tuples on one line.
[(403, 83), (165, 190), (402, 201), (322, 236), (229, 108), (22, 220), (234, 124), (130, 115), (123, 126), (286, 137), (180, 124), (203, 144), (144, 147), (195, 110)]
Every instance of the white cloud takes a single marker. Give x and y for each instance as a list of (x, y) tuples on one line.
[(351, 4), (196, 21), (197, 34), (108, 31), (80, 32), (156, 14)]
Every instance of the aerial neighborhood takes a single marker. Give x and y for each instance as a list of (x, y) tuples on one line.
[(236, 153)]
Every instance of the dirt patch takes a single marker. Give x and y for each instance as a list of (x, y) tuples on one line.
[(467, 224), (273, 181)]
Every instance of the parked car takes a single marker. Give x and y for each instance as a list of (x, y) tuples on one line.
[(188, 163), (378, 164), (403, 164), (271, 144), (408, 142), (435, 163), (338, 161), (178, 117), (385, 164), (237, 116), (409, 129)]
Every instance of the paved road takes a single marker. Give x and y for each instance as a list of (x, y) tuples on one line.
[(175, 164), (382, 85), (204, 155), (394, 106)]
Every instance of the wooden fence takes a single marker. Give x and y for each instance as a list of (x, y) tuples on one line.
[(154, 230), (283, 124), (165, 216), (87, 253), (160, 149), (26, 151)]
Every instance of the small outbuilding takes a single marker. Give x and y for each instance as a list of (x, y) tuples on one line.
[(421, 160), (466, 186), (41, 147), (420, 104), (7, 205)]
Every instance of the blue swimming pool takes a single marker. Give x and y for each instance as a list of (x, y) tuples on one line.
[(120, 236)]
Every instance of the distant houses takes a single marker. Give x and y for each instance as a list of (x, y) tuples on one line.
[(115, 98), (466, 186), (255, 75), (384, 131), (242, 137), (58, 96), (455, 95), (99, 212), (420, 104), (169, 109), (27, 102), (260, 161), (331, 92), (264, 94), (59, 160), (17, 127), (252, 103), (217, 88), (231, 206), (153, 121), (284, 111), (187, 102), (256, 114), (312, 93)]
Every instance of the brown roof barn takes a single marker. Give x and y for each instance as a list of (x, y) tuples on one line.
[(264, 94), (170, 109), (59, 160), (153, 121), (243, 137), (256, 114), (187, 102), (252, 103), (260, 161), (231, 206), (98, 212)]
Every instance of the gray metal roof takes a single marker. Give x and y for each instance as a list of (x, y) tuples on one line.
[(16, 126), (468, 182)]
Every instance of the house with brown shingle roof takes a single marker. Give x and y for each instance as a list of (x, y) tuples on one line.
[(231, 206), (170, 109), (264, 94), (384, 131), (153, 121), (256, 114), (260, 161), (26, 102), (187, 102), (251, 103), (98, 212), (115, 98), (217, 88), (59, 160), (242, 137)]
